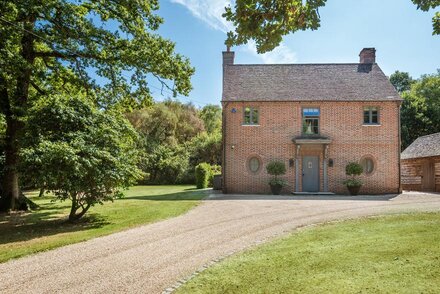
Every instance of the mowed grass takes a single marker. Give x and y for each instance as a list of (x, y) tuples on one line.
[(390, 254), (47, 228)]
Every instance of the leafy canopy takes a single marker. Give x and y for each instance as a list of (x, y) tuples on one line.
[(266, 22), (402, 81), (77, 41), (80, 153), (420, 113)]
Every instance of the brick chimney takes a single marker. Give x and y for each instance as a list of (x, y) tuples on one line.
[(367, 56), (228, 56)]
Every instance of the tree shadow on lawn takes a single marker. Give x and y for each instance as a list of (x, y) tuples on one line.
[(16, 227), (179, 196)]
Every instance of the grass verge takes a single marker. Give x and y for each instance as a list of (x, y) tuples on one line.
[(26, 233), (389, 254)]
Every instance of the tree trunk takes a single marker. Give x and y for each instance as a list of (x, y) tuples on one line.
[(14, 124), (41, 194), (11, 191), (73, 216)]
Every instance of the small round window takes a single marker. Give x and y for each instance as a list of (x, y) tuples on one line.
[(254, 164), (368, 165)]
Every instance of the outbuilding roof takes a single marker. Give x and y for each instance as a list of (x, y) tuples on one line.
[(307, 82), (424, 146)]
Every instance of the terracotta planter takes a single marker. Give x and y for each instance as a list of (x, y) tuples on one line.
[(354, 190), (276, 189)]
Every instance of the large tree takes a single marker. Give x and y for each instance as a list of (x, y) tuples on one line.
[(80, 153), (49, 45), (420, 114), (402, 81), (266, 22)]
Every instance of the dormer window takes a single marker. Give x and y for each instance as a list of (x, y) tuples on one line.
[(310, 121)]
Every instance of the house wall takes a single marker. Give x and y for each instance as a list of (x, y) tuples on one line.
[(280, 122), (412, 173)]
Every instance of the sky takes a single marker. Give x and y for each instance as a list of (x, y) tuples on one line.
[(401, 34)]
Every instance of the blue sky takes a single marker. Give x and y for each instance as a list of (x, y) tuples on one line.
[(401, 34)]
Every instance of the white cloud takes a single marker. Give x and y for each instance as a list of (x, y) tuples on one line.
[(210, 11), (281, 54)]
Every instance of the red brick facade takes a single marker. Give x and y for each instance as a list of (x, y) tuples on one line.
[(340, 121), (347, 98)]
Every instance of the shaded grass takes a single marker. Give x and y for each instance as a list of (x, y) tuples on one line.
[(390, 254), (47, 228)]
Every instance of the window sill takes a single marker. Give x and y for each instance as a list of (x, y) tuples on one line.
[(371, 125), (246, 125)]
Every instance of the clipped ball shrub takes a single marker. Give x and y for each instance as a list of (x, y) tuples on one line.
[(354, 169), (276, 168), (203, 173)]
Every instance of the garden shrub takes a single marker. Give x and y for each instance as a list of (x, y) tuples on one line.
[(203, 173)]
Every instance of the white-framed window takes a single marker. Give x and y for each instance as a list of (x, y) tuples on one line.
[(251, 116), (310, 121), (371, 115)]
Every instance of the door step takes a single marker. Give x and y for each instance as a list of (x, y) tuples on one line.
[(313, 193)]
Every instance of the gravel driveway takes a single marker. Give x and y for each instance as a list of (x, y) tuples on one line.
[(151, 258)]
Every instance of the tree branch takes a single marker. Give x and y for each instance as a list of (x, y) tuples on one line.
[(36, 87)]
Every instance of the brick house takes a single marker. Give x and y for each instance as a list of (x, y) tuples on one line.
[(314, 117), (421, 164)]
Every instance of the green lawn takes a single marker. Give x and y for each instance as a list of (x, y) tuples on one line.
[(390, 254), (46, 228)]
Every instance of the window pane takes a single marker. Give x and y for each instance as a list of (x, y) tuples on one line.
[(368, 165), (311, 126), (311, 112), (366, 117), (255, 117), (374, 117), (254, 164), (247, 115)]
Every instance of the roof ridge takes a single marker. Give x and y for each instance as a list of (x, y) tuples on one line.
[(284, 64)]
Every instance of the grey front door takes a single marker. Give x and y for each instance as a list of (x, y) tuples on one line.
[(310, 174)]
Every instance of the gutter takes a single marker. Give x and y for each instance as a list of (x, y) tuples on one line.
[(399, 147), (224, 189)]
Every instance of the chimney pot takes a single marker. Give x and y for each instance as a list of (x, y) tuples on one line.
[(367, 56)]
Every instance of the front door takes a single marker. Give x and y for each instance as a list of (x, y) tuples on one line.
[(428, 176), (310, 174)]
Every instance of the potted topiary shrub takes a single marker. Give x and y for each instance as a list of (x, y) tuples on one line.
[(353, 184), (276, 168)]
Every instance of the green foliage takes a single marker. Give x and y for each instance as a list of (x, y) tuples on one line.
[(353, 169), (266, 22), (402, 81), (276, 168), (165, 164), (278, 182), (353, 182), (80, 153), (212, 118), (206, 148), (420, 112), (174, 140), (203, 173), (62, 47)]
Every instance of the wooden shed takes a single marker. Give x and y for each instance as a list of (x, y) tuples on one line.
[(420, 164)]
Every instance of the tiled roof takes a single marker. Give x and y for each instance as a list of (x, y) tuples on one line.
[(307, 82), (424, 146)]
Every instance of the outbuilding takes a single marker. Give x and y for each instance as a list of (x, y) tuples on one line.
[(420, 164)]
